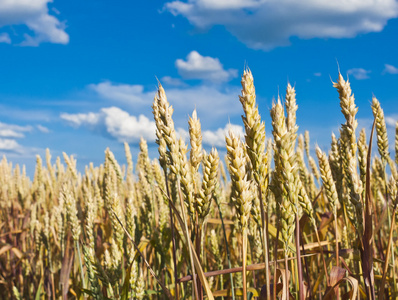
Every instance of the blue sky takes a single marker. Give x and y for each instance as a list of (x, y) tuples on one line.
[(80, 76)]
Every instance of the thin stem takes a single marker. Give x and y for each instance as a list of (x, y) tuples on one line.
[(80, 264), (299, 266), (187, 237), (264, 226), (275, 259), (198, 239), (336, 235), (227, 248), (322, 254), (244, 253), (287, 276), (164, 288), (337, 244), (173, 239), (254, 267), (383, 279), (306, 267)]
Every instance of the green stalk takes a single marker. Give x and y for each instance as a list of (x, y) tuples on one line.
[(244, 253), (299, 271), (80, 265), (227, 248), (264, 225), (187, 237), (172, 237)]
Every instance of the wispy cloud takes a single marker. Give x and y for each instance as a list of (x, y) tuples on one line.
[(9, 133), (5, 38), (391, 120), (172, 81), (129, 93), (304, 19), (206, 68), (359, 73), (13, 131), (43, 129), (35, 15), (390, 69)]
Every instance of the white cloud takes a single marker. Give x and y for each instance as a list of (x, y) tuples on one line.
[(133, 94), (35, 15), (115, 123), (212, 103), (318, 74), (390, 69), (8, 135), (43, 129), (9, 145), (359, 73), (172, 81), (77, 120), (266, 24), (5, 38), (13, 131), (217, 138), (391, 120), (201, 67)]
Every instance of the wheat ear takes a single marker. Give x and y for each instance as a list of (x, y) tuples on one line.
[(255, 147), (381, 130), (241, 196)]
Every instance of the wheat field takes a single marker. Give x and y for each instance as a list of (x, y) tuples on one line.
[(267, 221)]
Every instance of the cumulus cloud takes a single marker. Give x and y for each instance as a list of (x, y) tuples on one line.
[(201, 67), (211, 102), (217, 138), (268, 24), (390, 69), (34, 14), (115, 123), (77, 120), (359, 73), (9, 145)]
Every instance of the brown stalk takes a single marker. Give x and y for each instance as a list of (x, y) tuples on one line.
[(335, 233), (367, 239), (253, 267), (306, 267), (385, 268)]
